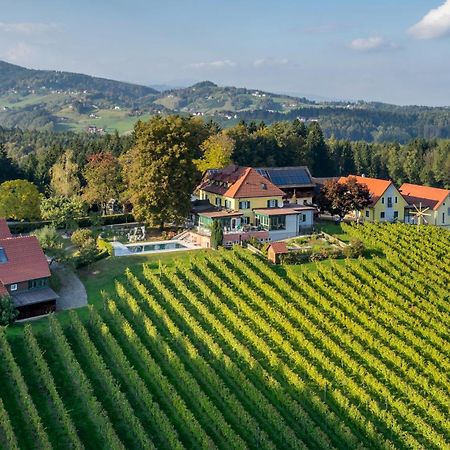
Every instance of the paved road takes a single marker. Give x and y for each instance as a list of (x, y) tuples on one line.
[(72, 293)]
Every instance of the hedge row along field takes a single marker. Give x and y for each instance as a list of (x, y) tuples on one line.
[(229, 352)]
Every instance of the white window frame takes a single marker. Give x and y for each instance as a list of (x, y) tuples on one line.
[(13, 287), (273, 203)]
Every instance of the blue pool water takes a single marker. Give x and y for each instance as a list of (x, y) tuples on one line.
[(144, 248)]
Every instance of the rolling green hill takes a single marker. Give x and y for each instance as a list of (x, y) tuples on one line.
[(54, 100)]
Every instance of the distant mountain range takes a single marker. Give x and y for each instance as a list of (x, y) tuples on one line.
[(56, 100)]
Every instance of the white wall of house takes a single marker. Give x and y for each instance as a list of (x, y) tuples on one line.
[(442, 214), (391, 192), (294, 226)]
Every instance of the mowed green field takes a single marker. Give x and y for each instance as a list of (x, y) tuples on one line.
[(221, 350)]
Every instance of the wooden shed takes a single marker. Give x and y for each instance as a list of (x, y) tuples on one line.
[(275, 250)]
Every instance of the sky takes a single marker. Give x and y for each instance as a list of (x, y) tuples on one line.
[(395, 51)]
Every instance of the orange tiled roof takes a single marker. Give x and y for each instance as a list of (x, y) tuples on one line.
[(429, 196), (376, 186), (4, 229), (238, 182)]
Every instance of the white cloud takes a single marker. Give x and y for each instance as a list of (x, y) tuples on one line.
[(270, 62), (371, 44), (19, 52), (436, 23), (220, 64), (27, 28)]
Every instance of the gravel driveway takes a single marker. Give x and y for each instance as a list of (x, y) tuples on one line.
[(72, 293)]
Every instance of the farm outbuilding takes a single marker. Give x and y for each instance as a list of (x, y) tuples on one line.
[(275, 250)]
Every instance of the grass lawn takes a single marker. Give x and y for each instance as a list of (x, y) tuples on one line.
[(100, 277), (332, 229)]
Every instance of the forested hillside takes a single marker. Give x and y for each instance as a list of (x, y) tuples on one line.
[(61, 101)]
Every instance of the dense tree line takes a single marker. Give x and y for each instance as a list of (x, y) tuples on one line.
[(369, 122), (32, 154)]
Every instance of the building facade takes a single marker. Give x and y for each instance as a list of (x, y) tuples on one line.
[(25, 274), (436, 200), (248, 204), (387, 203)]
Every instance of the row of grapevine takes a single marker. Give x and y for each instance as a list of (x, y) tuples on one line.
[(48, 382), (7, 435), (260, 345), (167, 435), (362, 326), (325, 357), (29, 408), (110, 385), (377, 364), (94, 408), (241, 419), (229, 345), (212, 419), (192, 429)]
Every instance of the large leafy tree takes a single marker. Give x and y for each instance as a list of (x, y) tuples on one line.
[(216, 152), (65, 176), (159, 170), (62, 211), (103, 179), (19, 200), (341, 198)]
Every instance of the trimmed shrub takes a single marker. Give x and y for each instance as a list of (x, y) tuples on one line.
[(8, 312), (105, 246), (355, 248), (82, 238)]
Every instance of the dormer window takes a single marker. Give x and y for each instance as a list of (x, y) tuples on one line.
[(3, 257), (263, 186)]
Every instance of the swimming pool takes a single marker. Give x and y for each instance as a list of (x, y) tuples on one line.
[(147, 248), (151, 247)]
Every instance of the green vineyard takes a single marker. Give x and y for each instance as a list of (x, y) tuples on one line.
[(226, 351)]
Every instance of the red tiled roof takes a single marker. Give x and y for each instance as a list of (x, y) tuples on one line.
[(429, 196), (25, 260), (279, 247), (4, 229), (240, 182), (376, 186)]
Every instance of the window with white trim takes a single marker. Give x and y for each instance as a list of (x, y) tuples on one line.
[(13, 287), (244, 204), (218, 201), (273, 203)]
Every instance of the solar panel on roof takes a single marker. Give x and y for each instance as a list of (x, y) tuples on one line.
[(289, 176)]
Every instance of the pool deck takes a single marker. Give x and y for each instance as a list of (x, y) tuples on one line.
[(123, 250)]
